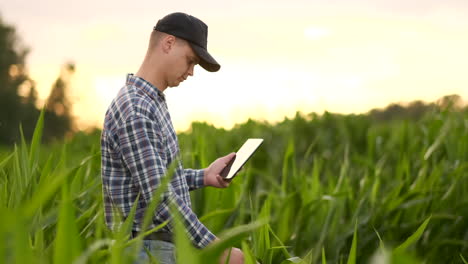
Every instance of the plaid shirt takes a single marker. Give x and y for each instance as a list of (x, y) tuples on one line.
[(138, 144)]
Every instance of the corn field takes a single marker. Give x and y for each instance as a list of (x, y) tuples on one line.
[(321, 189)]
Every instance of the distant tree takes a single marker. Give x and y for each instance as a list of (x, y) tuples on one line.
[(451, 102), (17, 91), (58, 108), (18, 94), (417, 109)]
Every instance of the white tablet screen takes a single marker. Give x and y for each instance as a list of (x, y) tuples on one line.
[(244, 153)]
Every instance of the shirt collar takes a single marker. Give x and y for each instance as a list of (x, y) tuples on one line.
[(144, 85)]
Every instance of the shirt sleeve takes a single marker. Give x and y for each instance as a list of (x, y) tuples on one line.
[(194, 178), (143, 153)]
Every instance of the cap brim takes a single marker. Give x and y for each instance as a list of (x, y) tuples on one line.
[(206, 60)]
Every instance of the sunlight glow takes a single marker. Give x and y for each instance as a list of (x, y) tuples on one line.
[(315, 33), (311, 57), (106, 87)]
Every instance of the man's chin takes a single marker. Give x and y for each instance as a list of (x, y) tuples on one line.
[(174, 85)]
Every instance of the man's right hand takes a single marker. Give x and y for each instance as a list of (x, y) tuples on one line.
[(212, 177), (237, 257)]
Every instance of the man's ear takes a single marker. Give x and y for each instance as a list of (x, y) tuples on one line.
[(168, 43)]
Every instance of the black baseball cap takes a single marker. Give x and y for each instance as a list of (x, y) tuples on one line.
[(194, 31)]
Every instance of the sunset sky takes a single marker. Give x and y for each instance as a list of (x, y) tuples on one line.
[(277, 57)]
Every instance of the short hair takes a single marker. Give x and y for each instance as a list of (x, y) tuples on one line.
[(157, 36)]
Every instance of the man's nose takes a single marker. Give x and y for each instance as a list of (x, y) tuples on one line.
[(190, 70)]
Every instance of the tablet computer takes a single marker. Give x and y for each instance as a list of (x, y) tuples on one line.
[(244, 153)]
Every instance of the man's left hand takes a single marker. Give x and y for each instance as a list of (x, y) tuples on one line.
[(212, 177)]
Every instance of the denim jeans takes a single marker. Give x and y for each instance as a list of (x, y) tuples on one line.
[(162, 251)]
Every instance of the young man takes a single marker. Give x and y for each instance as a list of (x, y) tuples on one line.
[(139, 144)]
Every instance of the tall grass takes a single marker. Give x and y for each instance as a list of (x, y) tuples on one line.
[(322, 189)]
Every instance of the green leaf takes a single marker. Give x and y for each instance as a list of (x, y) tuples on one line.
[(263, 234), (36, 141), (381, 243), (185, 252), (126, 228), (44, 194), (288, 161), (463, 259), (249, 257), (93, 248), (413, 238), (67, 245), (292, 260), (158, 194), (282, 246), (324, 259), (230, 237), (149, 213), (352, 253), (5, 160)]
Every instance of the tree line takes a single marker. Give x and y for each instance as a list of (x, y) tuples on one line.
[(18, 94)]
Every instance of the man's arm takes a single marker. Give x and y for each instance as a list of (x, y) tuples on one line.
[(194, 178), (209, 176), (143, 154)]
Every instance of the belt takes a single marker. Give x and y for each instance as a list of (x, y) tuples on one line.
[(160, 235)]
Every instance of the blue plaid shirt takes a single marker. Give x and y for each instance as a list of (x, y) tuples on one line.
[(138, 144)]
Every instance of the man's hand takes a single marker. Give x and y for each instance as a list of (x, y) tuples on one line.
[(237, 257), (211, 174)]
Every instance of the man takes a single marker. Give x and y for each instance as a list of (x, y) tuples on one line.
[(139, 144)]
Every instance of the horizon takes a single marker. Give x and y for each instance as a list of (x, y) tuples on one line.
[(304, 115), (341, 56)]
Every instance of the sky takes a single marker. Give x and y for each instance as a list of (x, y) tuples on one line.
[(277, 57)]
